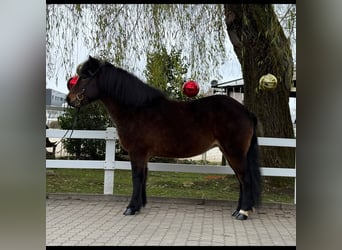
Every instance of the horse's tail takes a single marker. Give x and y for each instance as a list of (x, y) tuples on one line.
[(253, 175)]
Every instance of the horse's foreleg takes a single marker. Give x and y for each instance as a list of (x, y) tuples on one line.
[(138, 181)]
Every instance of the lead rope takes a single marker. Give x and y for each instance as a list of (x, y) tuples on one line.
[(72, 130), (74, 123)]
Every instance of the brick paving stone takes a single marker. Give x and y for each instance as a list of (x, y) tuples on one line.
[(96, 220)]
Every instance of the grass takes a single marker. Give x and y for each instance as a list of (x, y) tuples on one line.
[(167, 184)]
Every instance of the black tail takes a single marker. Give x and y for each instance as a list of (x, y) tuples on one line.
[(253, 175)]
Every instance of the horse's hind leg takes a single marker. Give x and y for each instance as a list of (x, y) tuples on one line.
[(245, 203), (236, 211)]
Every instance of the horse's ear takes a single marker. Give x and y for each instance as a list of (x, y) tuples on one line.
[(93, 62)]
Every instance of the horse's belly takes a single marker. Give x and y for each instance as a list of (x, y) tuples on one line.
[(183, 149)]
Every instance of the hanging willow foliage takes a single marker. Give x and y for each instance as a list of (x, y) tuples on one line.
[(124, 34)]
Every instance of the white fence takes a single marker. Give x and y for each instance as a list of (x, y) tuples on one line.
[(109, 164)]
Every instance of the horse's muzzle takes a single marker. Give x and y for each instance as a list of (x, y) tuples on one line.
[(71, 102), (77, 99)]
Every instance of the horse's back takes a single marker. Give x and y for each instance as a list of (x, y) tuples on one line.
[(220, 102), (223, 108), (203, 116)]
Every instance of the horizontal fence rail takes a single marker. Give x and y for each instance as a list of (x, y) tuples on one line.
[(109, 164)]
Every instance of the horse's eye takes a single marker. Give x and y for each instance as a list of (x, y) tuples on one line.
[(90, 73)]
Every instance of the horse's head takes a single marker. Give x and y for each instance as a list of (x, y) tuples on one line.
[(83, 87)]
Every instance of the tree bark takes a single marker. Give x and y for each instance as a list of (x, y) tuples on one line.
[(262, 47)]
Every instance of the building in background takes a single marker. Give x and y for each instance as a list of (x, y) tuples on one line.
[(55, 105)]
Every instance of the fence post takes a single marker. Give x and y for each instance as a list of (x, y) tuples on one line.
[(109, 164), (295, 182)]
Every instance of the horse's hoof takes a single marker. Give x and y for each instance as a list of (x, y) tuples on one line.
[(235, 213), (241, 217), (129, 211)]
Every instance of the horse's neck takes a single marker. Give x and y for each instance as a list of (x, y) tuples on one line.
[(115, 110)]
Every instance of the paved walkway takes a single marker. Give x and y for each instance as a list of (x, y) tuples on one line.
[(97, 220)]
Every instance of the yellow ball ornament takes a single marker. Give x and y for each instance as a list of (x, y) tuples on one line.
[(268, 82)]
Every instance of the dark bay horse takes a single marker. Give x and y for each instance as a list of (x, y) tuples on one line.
[(149, 124)]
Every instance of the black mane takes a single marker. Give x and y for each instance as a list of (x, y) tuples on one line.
[(126, 88)]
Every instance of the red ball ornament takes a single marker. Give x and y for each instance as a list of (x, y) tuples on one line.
[(190, 88), (72, 82)]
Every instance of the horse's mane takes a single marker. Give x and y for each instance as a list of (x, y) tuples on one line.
[(126, 88)]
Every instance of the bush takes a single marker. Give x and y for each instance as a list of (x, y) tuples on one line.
[(90, 117)]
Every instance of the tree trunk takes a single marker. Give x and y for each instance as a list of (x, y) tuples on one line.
[(262, 47)]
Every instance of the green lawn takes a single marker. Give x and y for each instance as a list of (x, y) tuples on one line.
[(167, 184)]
